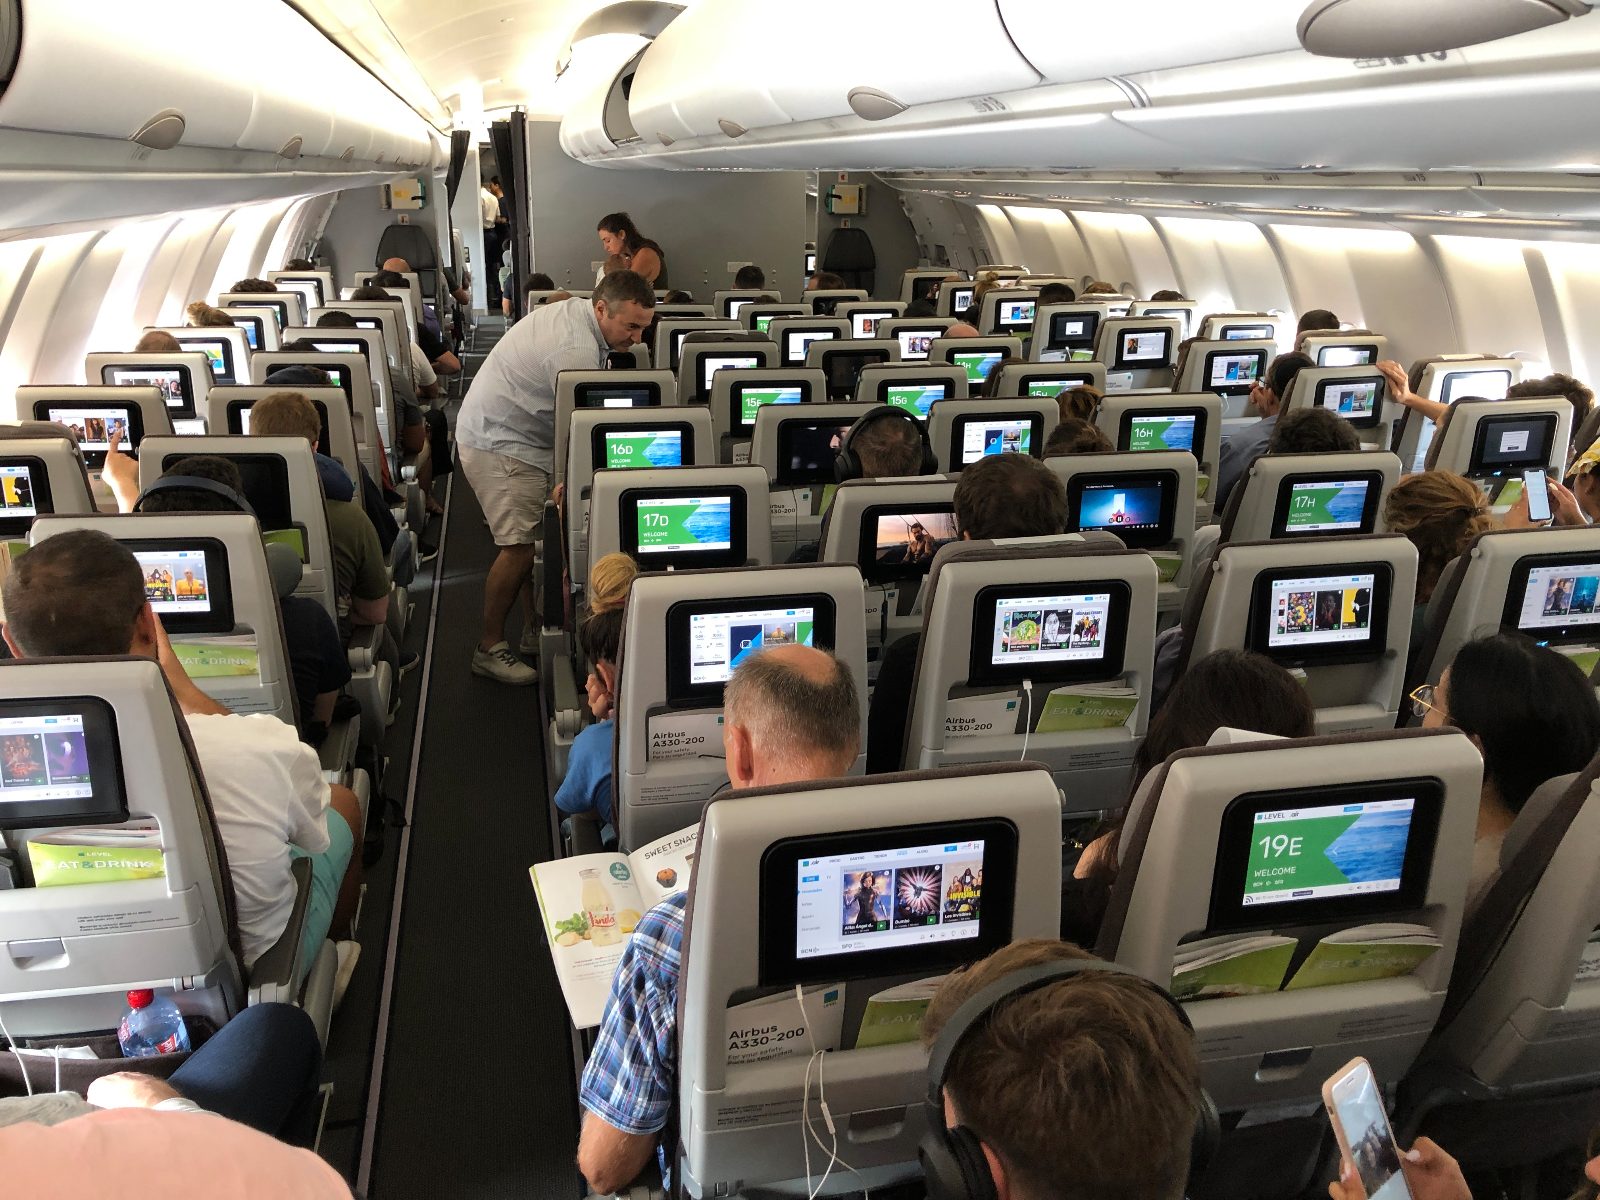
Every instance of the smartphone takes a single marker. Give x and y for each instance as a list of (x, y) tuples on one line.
[(1355, 1106), (1537, 488)]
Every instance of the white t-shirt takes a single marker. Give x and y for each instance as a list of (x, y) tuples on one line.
[(489, 204), (267, 792)]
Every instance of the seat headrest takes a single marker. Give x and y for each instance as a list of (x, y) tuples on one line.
[(285, 568), (849, 250), (1538, 807), (410, 242)]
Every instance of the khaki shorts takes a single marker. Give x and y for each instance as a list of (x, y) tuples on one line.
[(511, 492)]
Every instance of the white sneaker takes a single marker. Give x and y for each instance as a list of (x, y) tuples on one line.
[(349, 954), (528, 647), (498, 663)]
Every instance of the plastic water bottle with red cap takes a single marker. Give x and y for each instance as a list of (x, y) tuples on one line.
[(153, 1025)]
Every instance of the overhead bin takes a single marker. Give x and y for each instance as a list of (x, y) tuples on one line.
[(190, 73), (726, 66), (1093, 41)]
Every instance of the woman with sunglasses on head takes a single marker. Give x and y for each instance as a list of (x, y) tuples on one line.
[(1531, 713)]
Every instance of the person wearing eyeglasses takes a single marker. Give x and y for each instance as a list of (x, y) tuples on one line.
[(1533, 716)]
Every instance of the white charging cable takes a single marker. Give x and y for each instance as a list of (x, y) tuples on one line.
[(1027, 724), (817, 1058)]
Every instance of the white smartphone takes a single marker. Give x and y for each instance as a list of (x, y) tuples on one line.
[(1355, 1106), (1537, 488)]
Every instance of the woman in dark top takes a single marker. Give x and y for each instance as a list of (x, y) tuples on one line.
[(629, 250)]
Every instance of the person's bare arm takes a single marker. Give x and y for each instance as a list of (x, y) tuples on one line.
[(191, 699), (121, 475), (447, 364), (646, 262), (1400, 389), (610, 1159)]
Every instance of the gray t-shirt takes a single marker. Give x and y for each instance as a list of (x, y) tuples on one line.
[(510, 408)]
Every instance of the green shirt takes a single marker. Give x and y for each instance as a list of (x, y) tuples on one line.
[(359, 570)]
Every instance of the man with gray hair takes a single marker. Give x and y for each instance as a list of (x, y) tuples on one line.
[(791, 714), (505, 437)]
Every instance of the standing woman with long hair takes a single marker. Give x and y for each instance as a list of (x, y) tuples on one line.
[(629, 250)]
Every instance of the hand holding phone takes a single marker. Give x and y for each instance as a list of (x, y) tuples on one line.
[(1355, 1107), (1536, 486)]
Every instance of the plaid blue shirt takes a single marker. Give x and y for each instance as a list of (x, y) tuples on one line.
[(631, 1080)]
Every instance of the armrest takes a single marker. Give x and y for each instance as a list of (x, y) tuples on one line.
[(554, 566), (338, 749), (362, 649), (583, 834), (274, 978)]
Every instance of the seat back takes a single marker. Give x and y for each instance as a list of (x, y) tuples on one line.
[(823, 301), (227, 350), (228, 412), (70, 954), (229, 635), (1358, 394), (880, 1090), (290, 305), (614, 390), (795, 335), (1537, 581), (1063, 332), (93, 412), (737, 396), (1320, 591), (324, 289), (759, 317), (709, 515), (1486, 439), (669, 705), (1446, 378), (1192, 866), (415, 244), (1155, 512), (796, 445), (1076, 618), (1310, 495), (701, 361), (372, 426), (664, 311), (1008, 311), (1182, 311), (976, 356), (1189, 421), (866, 315), (670, 331), (848, 253), (914, 386), (915, 334), (41, 472), (891, 529), (909, 279), (963, 431), (841, 362), (626, 439), (1240, 325), (184, 380), (1227, 369), (282, 485), (413, 286), (1049, 379), (395, 316), (729, 303), (1138, 352)]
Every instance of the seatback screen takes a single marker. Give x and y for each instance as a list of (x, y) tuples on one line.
[(961, 298), (607, 395), (639, 449), (1325, 506), (1050, 628), (17, 497), (864, 322), (1512, 443), (1054, 387), (1556, 600), (252, 327), (844, 367), (750, 399), (1138, 508), (1346, 356), (1161, 431), (1485, 385), (1317, 610), (797, 342), (977, 364), (914, 343), (1359, 401), (1233, 374), (979, 437), (1244, 333), (710, 364), (96, 427), (1144, 348), (175, 581), (1325, 851), (915, 398), (172, 381), (218, 352), (1073, 329), (720, 641), (684, 523), (806, 450), (899, 541), (58, 763), (1016, 314)]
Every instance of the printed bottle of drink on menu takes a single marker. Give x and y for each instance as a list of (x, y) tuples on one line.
[(602, 914)]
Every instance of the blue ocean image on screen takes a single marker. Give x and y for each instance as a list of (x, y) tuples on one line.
[(712, 523), (1372, 849), (1179, 436), (665, 451), (1345, 508)]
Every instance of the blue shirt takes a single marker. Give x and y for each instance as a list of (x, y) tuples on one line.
[(631, 1079), (587, 785), (1240, 450), (335, 480)]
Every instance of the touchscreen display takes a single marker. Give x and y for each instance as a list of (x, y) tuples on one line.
[(344, 347), (252, 330), (752, 399), (1560, 596), (678, 523), (310, 290), (188, 427), (1242, 333), (1161, 431), (1235, 371), (978, 364), (914, 343), (1320, 853), (799, 342), (1017, 312), (1319, 610), (915, 398), (1346, 356), (1144, 346), (1007, 436), (16, 492), (602, 396), (847, 903), (1121, 507), (215, 352), (806, 450), (633, 449), (910, 539), (719, 642), (1050, 629), (844, 369), (1072, 327), (95, 427), (169, 381), (1054, 387), (710, 364), (737, 306), (1487, 385), (865, 324), (1326, 506), (1513, 443), (764, 321), (1353, 399), (43, 758), (175, 580), (961, 298)]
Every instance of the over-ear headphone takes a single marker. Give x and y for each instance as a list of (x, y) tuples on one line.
[(194, 483), (847, 463), (953, 1162)]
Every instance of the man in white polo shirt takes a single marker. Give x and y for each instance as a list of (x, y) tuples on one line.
[(506, 439)]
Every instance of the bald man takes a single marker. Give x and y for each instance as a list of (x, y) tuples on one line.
[(962, 330), (791, 714)]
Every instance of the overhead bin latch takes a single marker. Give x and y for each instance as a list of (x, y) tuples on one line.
[(1369, 28), (162, 131), (872, 105)]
